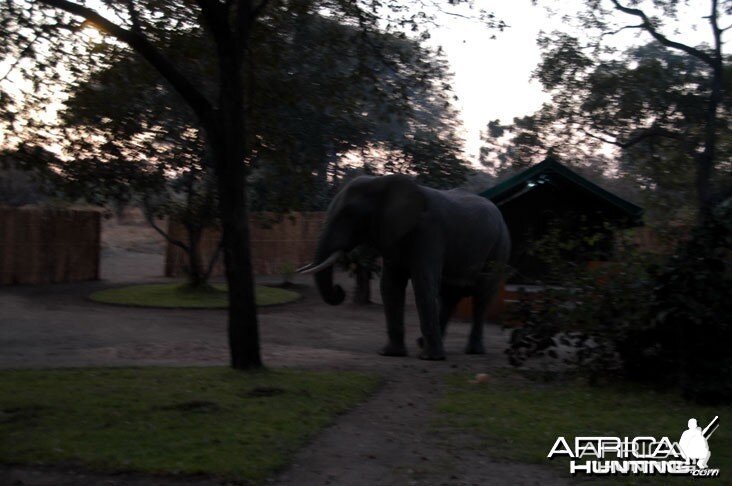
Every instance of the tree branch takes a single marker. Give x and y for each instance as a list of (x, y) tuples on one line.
[(20, 57), (257, 11), (140, 44), (376, 50), (151, 220), (213, 260), (651, 29), (214, 17), (243, 22), (134, 17), (603, 139), (717, 32), (651, 132), (246, 14), (639, 26)]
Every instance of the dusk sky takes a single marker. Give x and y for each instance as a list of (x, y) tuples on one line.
[(493, 76)]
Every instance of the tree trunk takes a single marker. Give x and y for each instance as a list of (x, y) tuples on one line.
[(228, 146), (705, 160), (195, 269), (243, 325)]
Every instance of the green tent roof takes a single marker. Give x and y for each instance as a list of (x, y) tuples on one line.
[(522, 182)]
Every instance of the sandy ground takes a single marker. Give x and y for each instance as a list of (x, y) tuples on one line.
[(388, 440)]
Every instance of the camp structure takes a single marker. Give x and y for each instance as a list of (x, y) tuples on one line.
[(553, 204)]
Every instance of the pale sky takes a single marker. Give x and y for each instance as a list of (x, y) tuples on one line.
[(492, 76)]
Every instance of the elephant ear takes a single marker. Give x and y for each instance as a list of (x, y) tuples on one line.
[(402, 204)]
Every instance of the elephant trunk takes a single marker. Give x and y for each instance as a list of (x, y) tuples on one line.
[(332, 294)]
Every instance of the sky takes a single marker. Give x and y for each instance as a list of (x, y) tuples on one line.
[(492, 77)]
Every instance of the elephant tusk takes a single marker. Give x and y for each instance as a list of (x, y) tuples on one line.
[(322, 266), (302, 269)]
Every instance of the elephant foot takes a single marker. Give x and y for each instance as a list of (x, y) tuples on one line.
[(429, 355), (394, 350), (474, 348), (432, 356)]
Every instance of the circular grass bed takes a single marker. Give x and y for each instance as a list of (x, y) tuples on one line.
[(177, 295)]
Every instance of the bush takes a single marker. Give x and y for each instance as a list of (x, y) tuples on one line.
[(19, 188), (591, 317), (657, 321), (690, 308)]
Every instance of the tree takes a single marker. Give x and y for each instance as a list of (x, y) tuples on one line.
[(662, 104), (665, 106), (219, 107), (145, 124), (20, 185), (298, 125)]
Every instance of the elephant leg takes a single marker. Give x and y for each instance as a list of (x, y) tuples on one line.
[(426, 295), (393, 289), (448, 302), (481, 299)]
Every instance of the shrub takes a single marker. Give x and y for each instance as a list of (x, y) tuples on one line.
[(644, 318), (19, 188), (690, 307), (593, 313)]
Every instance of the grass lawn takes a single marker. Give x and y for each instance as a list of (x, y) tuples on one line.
[(180, 295), (520, 419), (215, 421)]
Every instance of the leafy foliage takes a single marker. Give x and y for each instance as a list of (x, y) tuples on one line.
[(662, 106), (661, 321), (19, 183), (690, 309), (390, 92)]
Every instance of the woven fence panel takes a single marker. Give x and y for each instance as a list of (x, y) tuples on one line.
[(41, 246), (277, 247)]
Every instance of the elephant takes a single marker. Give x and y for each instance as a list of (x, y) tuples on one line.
[(450, 244)]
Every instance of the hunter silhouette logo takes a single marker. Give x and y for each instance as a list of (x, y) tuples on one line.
[(693, 442), (642, 454)]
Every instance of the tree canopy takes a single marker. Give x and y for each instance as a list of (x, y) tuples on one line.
[(298, 127), (662, 104)]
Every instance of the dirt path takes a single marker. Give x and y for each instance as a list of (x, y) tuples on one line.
[(392, 440)]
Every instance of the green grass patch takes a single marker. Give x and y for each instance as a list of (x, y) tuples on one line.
[(181, 295), (518, 419), (239, 425)]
